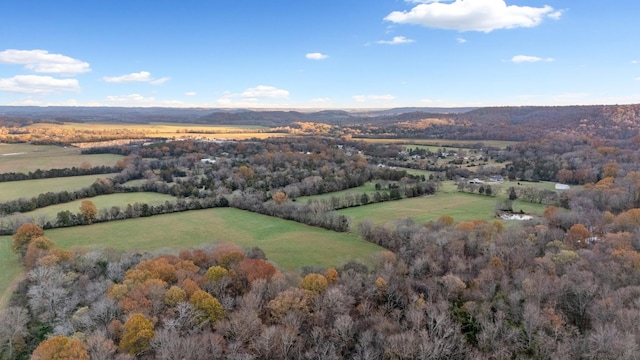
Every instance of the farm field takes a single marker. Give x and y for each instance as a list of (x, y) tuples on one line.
[(24, 158), (13, 190), (460, 206), (101, 202), (368, 188), (11, 269), (175, 130), (288, 244), (439, 143)]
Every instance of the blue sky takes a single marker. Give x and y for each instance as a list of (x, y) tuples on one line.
[(319, 54)]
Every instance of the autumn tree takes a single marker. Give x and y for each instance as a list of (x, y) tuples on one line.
[(209, 305), (23, 236), (316, 283), (137, 334), (88, 210), (36, 249), (60, 348), (280, 197)]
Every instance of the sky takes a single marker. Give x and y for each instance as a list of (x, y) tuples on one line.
[(319, 54)]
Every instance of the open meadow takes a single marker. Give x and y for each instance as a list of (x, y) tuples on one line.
[(173, 130), (460, 206), (23, 158), (287, 244), (11, 269), (439, 143), (12, 190)]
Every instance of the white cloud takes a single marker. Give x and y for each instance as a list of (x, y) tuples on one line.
[(316, 56), (190, 93), (638, 78), (530, 59), (364, 98), (37, 84), (321, 100), (396, 40), (262, 91), (41, 61), (142, 76), (635, 61), (461, 40), (476, 15)]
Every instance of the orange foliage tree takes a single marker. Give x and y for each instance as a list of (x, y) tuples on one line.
[(136, 334), (60, 348), (23, 236)]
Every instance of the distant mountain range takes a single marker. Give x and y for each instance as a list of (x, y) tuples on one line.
[(514, 123)]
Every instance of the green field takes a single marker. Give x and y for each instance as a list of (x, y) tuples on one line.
[(24, 158), (101, 202), (288, 244), (368, 188), (11, 269), (13, 190), (440, 142), (460, 206)]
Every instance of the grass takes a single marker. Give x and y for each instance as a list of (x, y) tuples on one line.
[(11, 270), (441, 142), (368, 188), (288, 244), (101, 202), (24, 158), (460, 206), (13, 190), (174, 130)]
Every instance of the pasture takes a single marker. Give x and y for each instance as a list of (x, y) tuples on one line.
[(13, 190), (460, 206), (11, 269), (172, 130), (23, 158), (288, 244), (439, 143)]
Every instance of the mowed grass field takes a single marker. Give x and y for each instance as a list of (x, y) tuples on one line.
[(13, 190), (24, 158), (460, 206), (288, 244), (101, 202), (11, 269), (439, 143)]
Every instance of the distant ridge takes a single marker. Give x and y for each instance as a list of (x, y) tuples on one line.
[(500, 123)]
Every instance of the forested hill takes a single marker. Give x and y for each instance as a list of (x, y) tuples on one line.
[(500, 123)]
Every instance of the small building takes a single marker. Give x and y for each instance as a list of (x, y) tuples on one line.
[(208, 161), (562, 186)]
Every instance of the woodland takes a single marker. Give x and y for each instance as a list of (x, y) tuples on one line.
[(563, 285)]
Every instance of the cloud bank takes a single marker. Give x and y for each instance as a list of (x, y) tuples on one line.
[(41, 61), (37, 84), (473, 15)]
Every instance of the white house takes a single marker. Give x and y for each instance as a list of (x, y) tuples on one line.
[(562, 186)]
